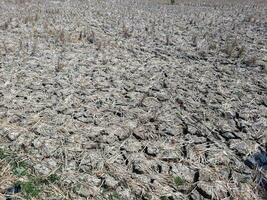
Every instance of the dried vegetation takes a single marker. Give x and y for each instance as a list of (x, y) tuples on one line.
[(144, 99)]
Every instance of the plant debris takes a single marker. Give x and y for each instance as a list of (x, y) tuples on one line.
[(133, 99)]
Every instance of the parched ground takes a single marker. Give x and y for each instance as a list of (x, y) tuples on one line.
[(134, 99)]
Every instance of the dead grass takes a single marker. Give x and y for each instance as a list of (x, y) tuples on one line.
[(129, 90), (6, 177)]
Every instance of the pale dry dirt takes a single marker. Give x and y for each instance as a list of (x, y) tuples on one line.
[(136, 99)]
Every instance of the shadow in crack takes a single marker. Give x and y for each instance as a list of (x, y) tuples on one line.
[(12, 191), (258, 162)]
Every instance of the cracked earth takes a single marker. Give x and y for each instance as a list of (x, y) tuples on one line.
[(136, 99)]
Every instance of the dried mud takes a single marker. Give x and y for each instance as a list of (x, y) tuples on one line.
[(136, 99)]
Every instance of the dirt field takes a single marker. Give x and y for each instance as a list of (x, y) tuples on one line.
[(133, 99)]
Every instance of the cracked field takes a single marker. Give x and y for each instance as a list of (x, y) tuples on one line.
[(133, 99)]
